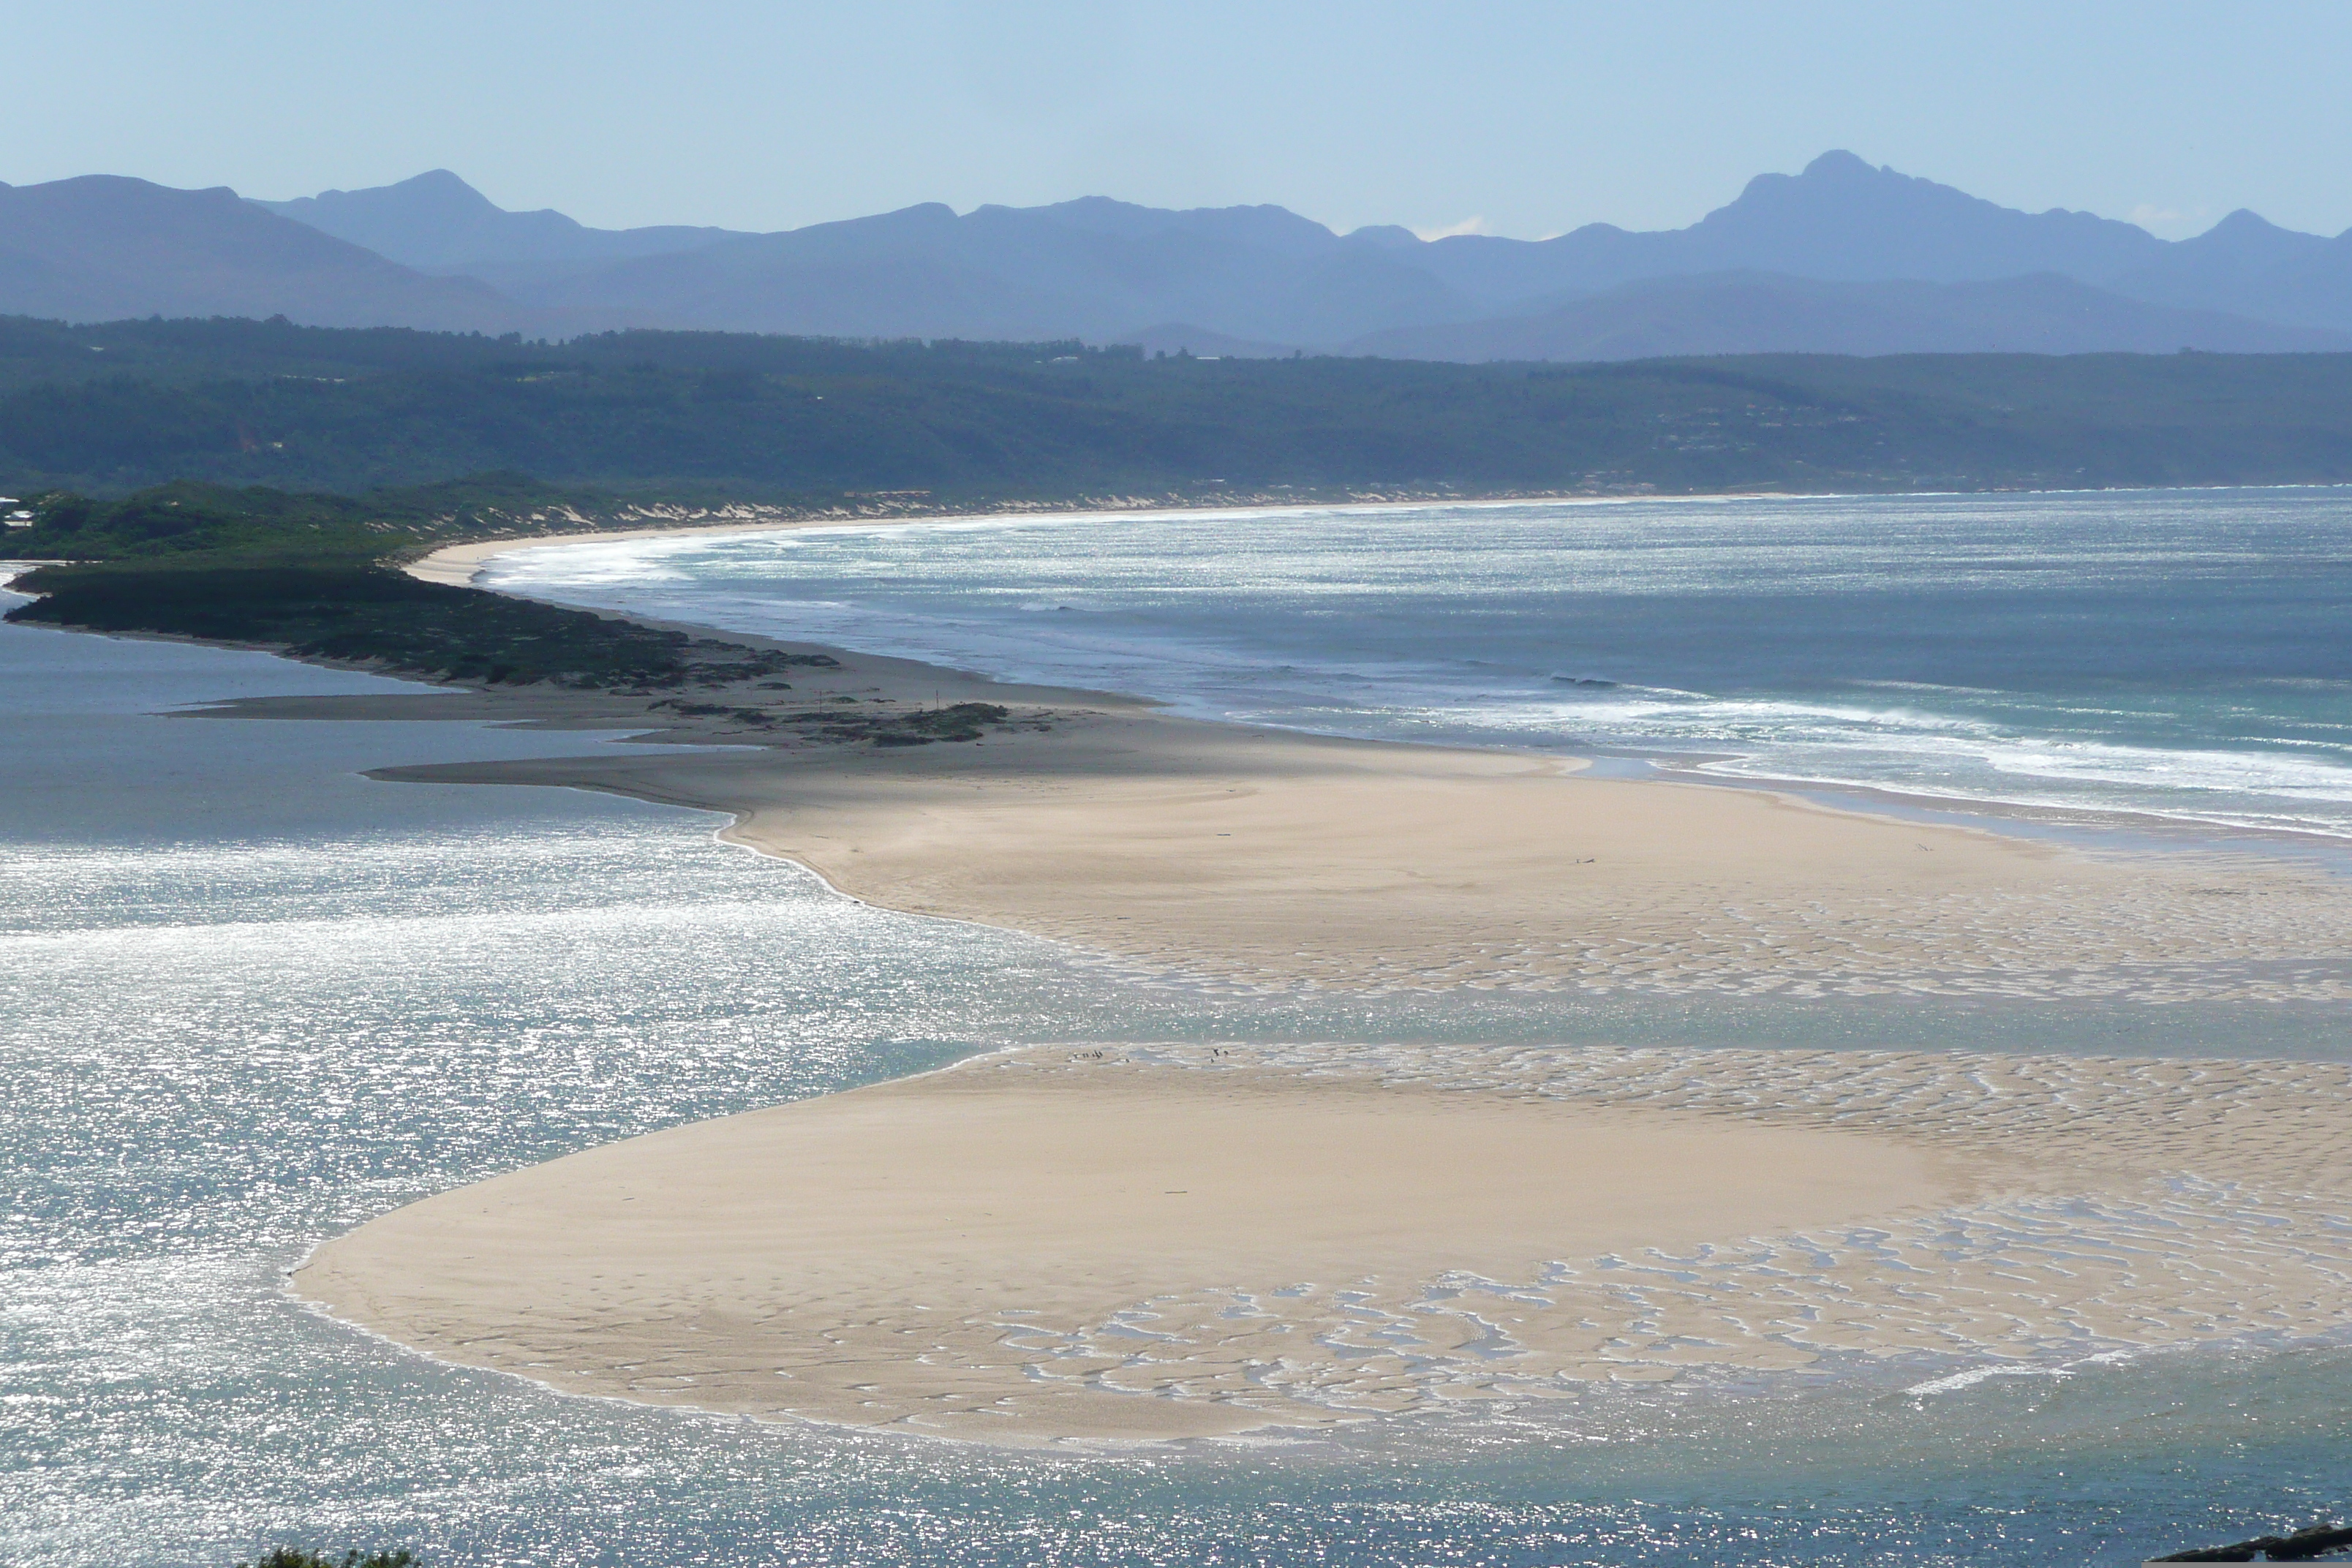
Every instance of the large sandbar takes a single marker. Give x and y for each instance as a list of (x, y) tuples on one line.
[(928, 1253), (1084, 1245)]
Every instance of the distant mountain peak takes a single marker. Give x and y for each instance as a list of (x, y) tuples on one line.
[(434, 202), (1838, 162), (104, 247), (438, 222), (445, 179), (2245, 221), (441, 185), (1842, 218)]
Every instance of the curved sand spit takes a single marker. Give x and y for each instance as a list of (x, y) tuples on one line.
[(1063, 1245)]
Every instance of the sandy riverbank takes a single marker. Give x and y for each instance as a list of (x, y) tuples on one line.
[(1023, 1250)]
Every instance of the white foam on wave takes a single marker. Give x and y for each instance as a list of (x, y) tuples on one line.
[(994, 604), (1959, 1381)]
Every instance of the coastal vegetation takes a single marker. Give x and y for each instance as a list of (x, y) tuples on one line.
[(188, 523), (258, 483), (112, 408), (363, 614), (315, 576), (318, 577)]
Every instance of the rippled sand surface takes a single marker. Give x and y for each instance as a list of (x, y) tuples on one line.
[(2161, 930), (1142, 1243), (2160, 1202), (1279, 861)]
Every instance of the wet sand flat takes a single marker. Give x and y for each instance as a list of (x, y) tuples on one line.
[(1074, 1245), (930, 1253)]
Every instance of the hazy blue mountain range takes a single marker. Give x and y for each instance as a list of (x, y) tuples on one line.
[(437, 223), (1842, 258), (101, 247), (1764, 312), (1093, 268)]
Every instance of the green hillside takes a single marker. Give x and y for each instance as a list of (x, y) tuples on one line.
[(114, 409), (254, 481)]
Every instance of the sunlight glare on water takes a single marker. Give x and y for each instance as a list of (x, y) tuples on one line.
[(248, 998)]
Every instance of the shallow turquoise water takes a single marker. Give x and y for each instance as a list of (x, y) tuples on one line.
[(251, 998)]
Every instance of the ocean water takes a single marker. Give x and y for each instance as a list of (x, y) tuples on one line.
[(2180, 656), (249, 998)]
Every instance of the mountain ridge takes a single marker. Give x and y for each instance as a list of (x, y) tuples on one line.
[(1750, 312), (433, 251), (1111, 271), (104, 245), (436, 223)]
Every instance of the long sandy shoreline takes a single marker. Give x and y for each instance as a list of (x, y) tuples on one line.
[(983, 1253)]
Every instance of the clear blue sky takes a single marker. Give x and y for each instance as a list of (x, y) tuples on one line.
[(1526, 118)]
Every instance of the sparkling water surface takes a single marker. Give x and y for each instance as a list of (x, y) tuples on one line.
[(2179, 653), (252, 998)]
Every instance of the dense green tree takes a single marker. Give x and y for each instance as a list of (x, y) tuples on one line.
[(126, 406)]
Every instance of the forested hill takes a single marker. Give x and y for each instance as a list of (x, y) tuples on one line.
[(112, 408)]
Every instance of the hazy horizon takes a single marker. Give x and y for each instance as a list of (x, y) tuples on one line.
[(2162, 230), (1524, 118)]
